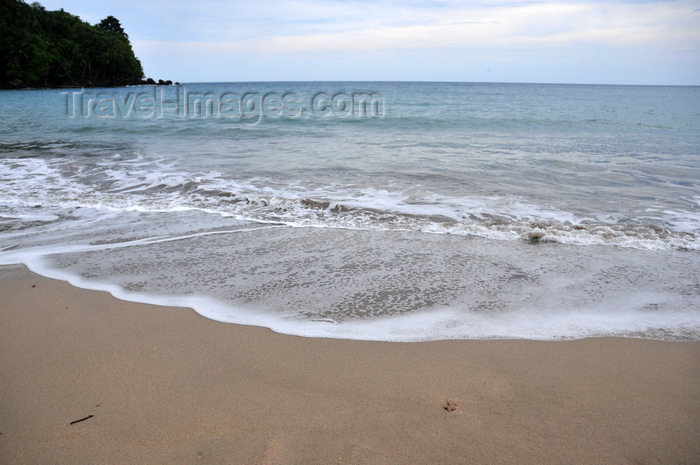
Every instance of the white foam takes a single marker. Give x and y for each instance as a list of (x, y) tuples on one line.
[(436, 324), (31, 254), (29, 216), (687, 222), (157, 185)]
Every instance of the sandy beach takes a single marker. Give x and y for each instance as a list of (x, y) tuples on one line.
[(166, 386)]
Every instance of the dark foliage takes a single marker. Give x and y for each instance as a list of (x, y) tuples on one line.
[(40, 48), (111, 24)]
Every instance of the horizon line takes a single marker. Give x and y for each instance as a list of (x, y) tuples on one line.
[(433, 82)]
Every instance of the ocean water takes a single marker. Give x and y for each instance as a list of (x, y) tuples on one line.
[(367, 210)]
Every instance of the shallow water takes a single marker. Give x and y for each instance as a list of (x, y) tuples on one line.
[(458, 211)]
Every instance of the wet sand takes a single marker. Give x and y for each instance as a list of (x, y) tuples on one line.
[(167, 386)]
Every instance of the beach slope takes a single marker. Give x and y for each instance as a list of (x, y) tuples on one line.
[(166, 386)]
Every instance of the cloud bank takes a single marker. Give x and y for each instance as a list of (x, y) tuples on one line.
[(637, 42)]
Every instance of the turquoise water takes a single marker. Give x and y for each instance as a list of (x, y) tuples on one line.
[(391, 211)]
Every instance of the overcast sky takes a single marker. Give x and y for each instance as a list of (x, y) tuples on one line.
[(576, 41)]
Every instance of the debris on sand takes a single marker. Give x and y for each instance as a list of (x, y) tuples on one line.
[(82, 419), (450, 405), (535, 236)]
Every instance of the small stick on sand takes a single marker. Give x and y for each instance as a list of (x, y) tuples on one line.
[(82, 419)]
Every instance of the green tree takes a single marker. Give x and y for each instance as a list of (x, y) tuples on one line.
[(55, 48), (112, 24)]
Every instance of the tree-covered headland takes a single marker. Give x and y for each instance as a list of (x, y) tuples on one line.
[(40, 48)]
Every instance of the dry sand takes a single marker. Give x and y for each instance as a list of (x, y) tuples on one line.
[(167, 386)]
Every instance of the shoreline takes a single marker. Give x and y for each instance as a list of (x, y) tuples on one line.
[(166, 385), (95, 86)]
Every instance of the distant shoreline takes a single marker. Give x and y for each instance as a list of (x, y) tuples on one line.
[(91, 86)]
